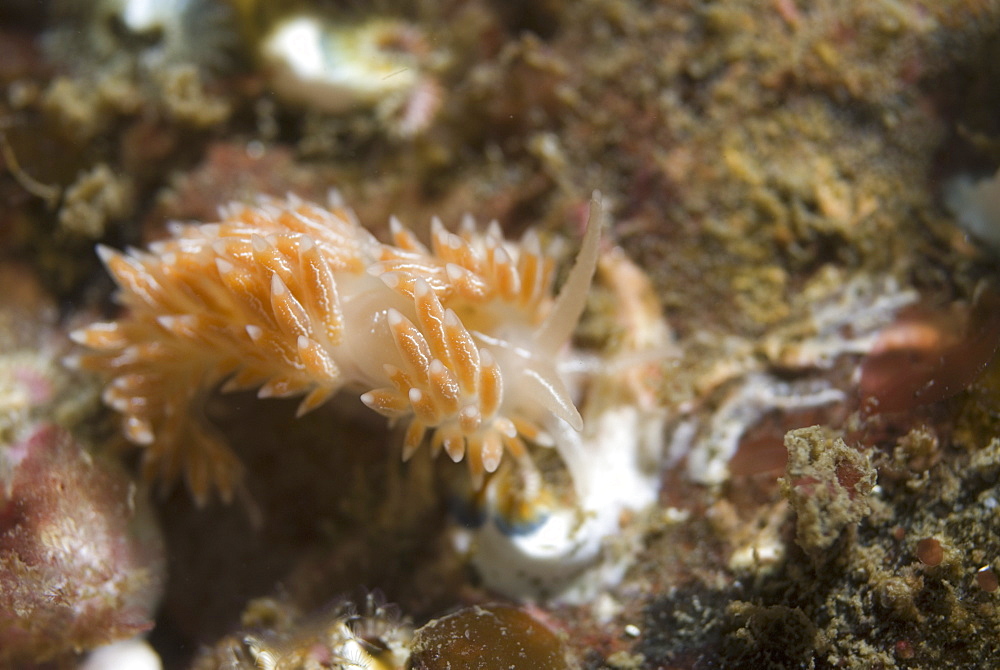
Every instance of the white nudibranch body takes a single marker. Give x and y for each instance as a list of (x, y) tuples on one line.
[(460, 340)]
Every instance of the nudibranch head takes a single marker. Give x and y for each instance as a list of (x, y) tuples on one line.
[(479, 391), (290, 298)]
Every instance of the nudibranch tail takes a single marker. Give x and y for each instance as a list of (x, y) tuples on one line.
[(250, 302)]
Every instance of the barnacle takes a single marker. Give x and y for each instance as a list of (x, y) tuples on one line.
[(379, 64), (293, 299), (150, 34), (371, 635)]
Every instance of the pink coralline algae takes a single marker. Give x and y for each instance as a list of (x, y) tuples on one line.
[(81, 559), (930, 355)]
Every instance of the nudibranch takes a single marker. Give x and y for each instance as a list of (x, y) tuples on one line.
[(460, 339)]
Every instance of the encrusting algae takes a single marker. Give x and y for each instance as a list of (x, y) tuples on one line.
[(787, 292), (294, 299)]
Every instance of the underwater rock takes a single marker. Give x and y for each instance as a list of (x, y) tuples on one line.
[(81, 559), (828, 484)]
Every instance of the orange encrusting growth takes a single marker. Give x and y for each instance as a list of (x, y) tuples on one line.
[(295, 299)]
